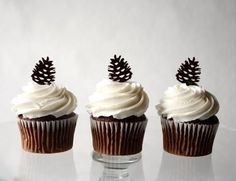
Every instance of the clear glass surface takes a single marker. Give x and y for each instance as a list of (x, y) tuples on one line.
[(125, 159), (78, 164)]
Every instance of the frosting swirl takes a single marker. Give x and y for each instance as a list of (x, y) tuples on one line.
[(43, 100), (119, 100), (186, 103)]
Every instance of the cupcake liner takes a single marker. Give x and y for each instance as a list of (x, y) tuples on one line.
[(118, 137), (47, 136), (188, 139)]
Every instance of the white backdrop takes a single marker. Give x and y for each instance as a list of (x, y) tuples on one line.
[(154, 36)]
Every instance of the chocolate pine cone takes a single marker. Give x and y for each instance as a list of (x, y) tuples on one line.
[(189, 138), (118, 136), (47, 136)]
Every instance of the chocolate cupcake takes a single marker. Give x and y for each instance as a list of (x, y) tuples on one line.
[(187, 111), (117, 114), (45, 112)]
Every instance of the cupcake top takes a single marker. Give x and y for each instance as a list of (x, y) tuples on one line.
[(118, 97), (187, 101), (43, 97)]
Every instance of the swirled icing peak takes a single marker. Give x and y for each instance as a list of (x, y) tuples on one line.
[(117, 99), (185, 103), (43, 100)]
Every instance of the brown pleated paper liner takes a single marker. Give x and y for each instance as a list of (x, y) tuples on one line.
[(47, 136), (188, 139), (121, 137)]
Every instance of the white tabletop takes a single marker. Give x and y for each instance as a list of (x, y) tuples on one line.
[(77, 164)]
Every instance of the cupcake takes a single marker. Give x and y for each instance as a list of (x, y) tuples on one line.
[(45, 112), (117, 117), (187, 111)]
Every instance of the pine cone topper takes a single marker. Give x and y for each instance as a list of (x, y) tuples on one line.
[(119, 70), (43, 73), (189, 72)]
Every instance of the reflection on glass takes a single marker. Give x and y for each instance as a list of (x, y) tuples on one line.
[(46, 167), (185, 168), (116, 159), (116, 172)]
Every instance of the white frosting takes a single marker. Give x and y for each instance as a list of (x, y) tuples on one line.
[(186, 103), (43, 100), (119, 100)]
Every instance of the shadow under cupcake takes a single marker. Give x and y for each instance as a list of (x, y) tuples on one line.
[(176, 168), (46, 167)]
